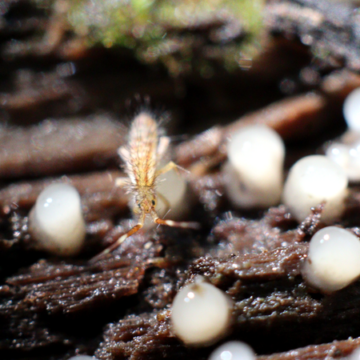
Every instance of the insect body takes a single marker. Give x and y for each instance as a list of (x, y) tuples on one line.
[(141, 157)]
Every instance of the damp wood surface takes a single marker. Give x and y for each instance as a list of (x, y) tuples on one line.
[(66, 103)]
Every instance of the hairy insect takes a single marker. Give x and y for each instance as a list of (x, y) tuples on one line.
[(141, 157)]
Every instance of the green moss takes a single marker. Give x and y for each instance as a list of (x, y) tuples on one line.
[(173, 32)]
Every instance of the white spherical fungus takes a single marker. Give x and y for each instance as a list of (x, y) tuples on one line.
[(254, 171), (355, 355), (200, 313), (346, 153), (82, 357), (311, 181), (348, 157), (233, 350), (351, 110), (171, 189), (333, 259), (56, 221)]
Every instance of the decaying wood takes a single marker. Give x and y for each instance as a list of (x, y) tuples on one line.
[(329, 28), (56, 147), (334, 350), (255, 257), (295, 117)]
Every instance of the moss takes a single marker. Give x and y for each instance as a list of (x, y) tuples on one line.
[(176, 32)]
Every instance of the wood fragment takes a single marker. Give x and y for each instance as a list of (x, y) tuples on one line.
[(329, 28), (67, 147)]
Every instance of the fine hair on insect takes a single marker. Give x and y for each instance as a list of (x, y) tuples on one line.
[(141, 156)]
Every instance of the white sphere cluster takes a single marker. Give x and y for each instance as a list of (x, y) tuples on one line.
[(311, 181), (56, 221), (200, 313), (233, 350), (351, 110), (346, 151), (254, 171), (333, 259), (348, 157)]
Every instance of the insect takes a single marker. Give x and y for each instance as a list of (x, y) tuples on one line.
[(141, 157)]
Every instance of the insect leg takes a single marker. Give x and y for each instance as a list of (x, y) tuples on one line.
[(169, 166), (123, 152), (118, 242), (180, 224), (121, 182)]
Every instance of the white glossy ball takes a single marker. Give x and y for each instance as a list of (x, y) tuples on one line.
[(311, 181), (333, 259), (173, 187), (233, 350), (200, 313), (355, 355), (351, 110), (254, 172), (348, 157), (56, 221)]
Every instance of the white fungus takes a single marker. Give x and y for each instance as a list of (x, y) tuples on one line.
[(355, 355), (172, 186), (346, 152), (233, 350), (200, 313), (82, 357), (311, 181), (56, 222), (351, 110), (348, 157), (333, 259), (254, 171)]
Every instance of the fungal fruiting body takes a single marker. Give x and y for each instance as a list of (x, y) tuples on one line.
[(254, 171), (333, 259), (314, 180), (233, 350), (200, 313), (355, 355), (351, 110), (346, 151), (348, 157), (141, 156), (177, 201), (82, 357), (56, 222)]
